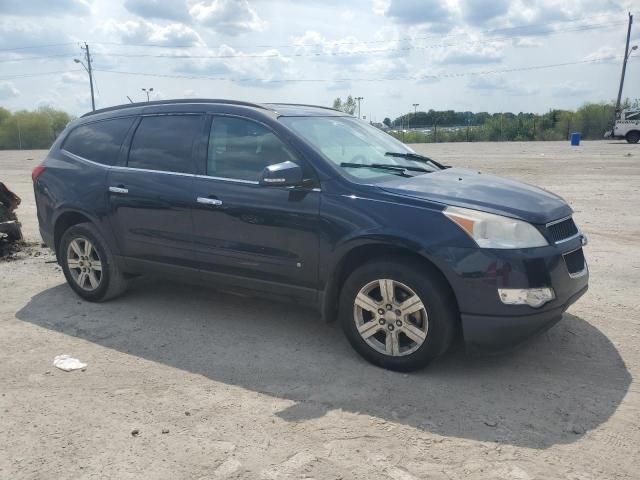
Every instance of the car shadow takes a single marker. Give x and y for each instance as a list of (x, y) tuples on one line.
[(551, 390)]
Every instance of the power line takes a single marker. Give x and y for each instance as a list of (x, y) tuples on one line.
[(632, 58), (272, 55), (548, 31), (37, 46), (302, 54), (341, 80), (495, 31), (37, 74), (25, 59)]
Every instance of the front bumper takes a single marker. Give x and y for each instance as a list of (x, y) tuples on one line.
[(487, 333), (476, 275)]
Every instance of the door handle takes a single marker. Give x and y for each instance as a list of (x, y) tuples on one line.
[(209, 201), (119, 189)]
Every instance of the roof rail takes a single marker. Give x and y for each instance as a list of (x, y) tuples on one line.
[(176, 101), (303, 105)]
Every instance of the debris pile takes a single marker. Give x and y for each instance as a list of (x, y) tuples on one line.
[(10, 232)]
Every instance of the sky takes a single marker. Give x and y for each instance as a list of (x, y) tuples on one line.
[(477, 55)]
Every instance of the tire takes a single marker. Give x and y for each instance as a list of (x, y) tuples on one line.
[(110, 280), (435, 321), (633, 137)]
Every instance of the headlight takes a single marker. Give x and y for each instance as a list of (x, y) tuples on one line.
[(495, 231)]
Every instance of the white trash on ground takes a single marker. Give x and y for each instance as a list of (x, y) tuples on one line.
[(68, 363)]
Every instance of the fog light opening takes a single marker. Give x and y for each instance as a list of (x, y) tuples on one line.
[(534, 297)]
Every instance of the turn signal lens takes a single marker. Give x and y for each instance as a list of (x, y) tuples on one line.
[(534, 297)]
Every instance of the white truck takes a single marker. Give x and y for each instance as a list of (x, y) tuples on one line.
[(627, 126)]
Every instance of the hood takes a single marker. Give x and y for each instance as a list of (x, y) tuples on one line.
[(470, 189)]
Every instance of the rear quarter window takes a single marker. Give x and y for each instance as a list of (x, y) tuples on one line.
[(100, 141)]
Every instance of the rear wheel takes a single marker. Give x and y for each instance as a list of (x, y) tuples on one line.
[(633, 137), (88, 264), (396, 315)]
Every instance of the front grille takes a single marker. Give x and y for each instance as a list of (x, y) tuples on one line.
[(562, 230), (575, 261)]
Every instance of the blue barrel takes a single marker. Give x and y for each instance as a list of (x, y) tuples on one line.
[(575, 139)]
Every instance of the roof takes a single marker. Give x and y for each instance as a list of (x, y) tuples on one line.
[(285, 109), (302, 110)]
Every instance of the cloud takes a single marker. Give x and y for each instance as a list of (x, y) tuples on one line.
[(571, 89), (479, 13), (379, 7), (228, 17), (383, 68), (265, 69), (426, 76), (45, 7), (434, 14), (143, 32), (15, 35), (607, 53), (174, 10), (74, 78), (344, 51), (538, 17), (340, 86), (488, 85), (526, 42), (8, 90), (77, 102), (471, 53), (393, 93), (347, 15)]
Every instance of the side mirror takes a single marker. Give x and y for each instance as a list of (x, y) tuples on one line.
[(285, 174)]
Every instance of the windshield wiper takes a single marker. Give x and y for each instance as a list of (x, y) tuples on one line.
[(417, 158), (404, 171)]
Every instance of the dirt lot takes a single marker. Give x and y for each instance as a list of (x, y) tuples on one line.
[(244, 388)]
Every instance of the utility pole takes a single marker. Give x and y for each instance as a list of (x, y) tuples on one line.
[(148, 90), (415, 110), (624, 65), (534, 126), (359, 99), (468, 122), (19, 134), (87, 67)]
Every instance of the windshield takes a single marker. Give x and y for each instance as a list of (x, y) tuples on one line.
[(352, 145)]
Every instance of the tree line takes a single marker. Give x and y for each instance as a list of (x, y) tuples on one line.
[(591, 120), (31, 130)]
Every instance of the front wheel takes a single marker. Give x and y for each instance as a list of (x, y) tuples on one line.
[(633, 137), (88, 264), (397, 315)]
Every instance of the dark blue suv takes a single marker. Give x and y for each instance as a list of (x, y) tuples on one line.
[(311, 205)]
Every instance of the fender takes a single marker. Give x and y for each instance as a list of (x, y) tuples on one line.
[(101, 222), (332, 275)]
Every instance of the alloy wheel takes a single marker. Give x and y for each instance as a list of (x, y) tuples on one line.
[(84, 264), (390, 317)]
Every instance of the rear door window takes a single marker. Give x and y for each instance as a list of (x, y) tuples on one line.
[(165, 143), (100, 141)]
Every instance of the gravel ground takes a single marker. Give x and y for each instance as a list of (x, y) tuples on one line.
[(185, 382)]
